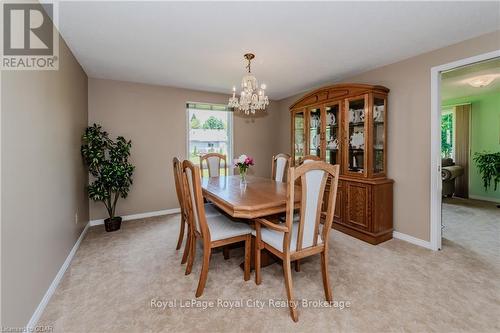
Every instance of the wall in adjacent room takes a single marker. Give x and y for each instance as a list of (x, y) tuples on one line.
[(484, 137), (409, 123), (43, 115), (154, 118)]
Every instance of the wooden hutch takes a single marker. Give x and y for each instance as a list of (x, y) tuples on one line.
[(346, 124)]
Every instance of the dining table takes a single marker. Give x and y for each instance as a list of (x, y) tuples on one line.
[(255, 197)]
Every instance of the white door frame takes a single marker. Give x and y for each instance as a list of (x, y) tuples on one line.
[(436, 185)]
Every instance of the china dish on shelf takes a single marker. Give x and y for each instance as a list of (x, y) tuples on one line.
[(378, 113), (357, 140), (331, 121), (315, 122), (356, 116), (333, 144), (315, 141)]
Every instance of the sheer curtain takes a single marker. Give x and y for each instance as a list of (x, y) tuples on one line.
[(462, 150)]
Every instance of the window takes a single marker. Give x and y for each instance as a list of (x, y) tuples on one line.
[(210, 130), (447, 134)]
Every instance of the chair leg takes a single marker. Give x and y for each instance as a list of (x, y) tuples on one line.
[(324, 273), (181, 234), (287, 270), (258, 278), (225, 252), (204, 271), (187, 248), (248, 249), (297, 265), (191, 254)]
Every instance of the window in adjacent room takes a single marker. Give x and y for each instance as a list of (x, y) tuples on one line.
[(447, 134), (210, 130)]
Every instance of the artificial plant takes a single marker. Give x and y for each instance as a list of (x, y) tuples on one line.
[(107, 162)]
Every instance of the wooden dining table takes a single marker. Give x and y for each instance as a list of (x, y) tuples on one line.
[(258, 197)]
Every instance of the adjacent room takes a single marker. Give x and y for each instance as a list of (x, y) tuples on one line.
[(252, 166), (470, 148)]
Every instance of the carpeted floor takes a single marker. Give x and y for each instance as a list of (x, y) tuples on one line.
[(473, 225), (392, 287)]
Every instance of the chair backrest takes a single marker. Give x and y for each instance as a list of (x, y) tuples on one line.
[(179, 188), (213, 162), (281, 163), (313, 177), (194, 199), (310, 158)]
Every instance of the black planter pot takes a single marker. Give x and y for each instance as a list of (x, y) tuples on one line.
[(113, 224)]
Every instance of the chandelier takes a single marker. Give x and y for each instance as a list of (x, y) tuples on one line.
[(251, 98)]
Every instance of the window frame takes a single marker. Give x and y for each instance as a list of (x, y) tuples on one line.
[(230, 122)]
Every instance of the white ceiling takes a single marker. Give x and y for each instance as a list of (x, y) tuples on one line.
[(454, 84), (298, 45)]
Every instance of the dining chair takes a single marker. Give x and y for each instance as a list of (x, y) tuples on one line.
[(213, 231), (210, 210), (310, 158), (281, 163), (297, 240), (213, 162), (306, 159)]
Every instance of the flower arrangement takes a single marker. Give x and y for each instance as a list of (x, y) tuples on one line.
[(243, 163)]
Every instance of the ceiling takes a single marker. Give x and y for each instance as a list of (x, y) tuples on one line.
[(454, 84), (298, 45)]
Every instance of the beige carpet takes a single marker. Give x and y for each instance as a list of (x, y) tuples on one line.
[(473, 225), (393, 287)]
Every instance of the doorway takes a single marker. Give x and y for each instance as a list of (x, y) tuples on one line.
[(463, 97)]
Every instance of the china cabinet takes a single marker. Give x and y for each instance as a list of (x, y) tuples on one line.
[(346, 124)]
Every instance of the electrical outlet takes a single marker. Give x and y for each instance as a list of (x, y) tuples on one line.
[(76, 218)]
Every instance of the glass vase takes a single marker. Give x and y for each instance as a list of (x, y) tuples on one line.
[(243, 176)]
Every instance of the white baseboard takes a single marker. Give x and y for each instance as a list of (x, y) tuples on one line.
[(478, 197), (411, 239), (53, 286), (140, 216)]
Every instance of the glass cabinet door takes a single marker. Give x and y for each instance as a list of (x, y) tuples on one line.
[(299, 137), (315, 132), (332, 134), (379, 114), (356, 112)]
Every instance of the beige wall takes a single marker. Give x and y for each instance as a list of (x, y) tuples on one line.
[(409, 127), (154, 118), (43, 180)]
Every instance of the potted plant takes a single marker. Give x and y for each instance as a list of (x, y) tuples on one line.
[(107, 162), (489, 168)]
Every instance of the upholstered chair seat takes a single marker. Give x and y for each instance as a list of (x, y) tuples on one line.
[(275, 238), (222, 227)]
